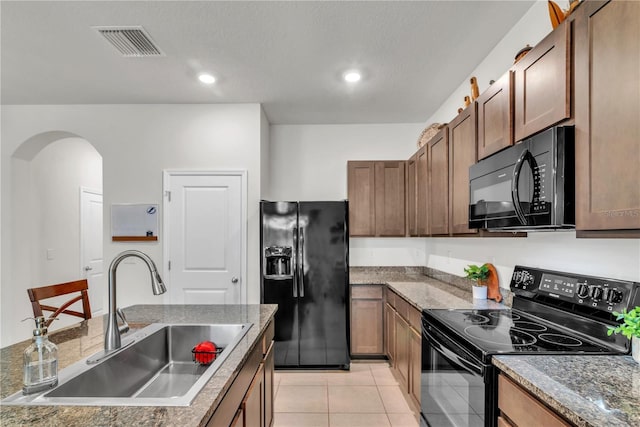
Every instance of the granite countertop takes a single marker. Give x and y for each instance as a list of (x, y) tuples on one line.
[(77, 342), (590, 391), (422, 291)]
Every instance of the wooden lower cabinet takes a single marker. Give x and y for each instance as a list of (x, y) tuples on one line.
[(520, 409), (367, 311), (249, 400), (252, 405), (402, 348), (403, 343), (415, 364), (390, 333)]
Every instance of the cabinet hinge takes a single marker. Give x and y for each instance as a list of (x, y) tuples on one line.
[(169, 265), (167, 194)]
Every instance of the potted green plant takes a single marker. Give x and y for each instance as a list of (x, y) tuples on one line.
[(630, 328), (479, 275)]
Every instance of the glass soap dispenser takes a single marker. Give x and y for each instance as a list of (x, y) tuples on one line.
[(40, 361)]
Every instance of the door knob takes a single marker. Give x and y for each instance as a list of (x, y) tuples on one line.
[(234, 280), (87, 268)]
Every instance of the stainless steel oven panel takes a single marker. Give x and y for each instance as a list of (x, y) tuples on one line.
[(457, 389)]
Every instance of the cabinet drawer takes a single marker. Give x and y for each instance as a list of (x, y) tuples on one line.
[(391, 297), (402, 307), (366, 292), (522, 408), (415, 319)]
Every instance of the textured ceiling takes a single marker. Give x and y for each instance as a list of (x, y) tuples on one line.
[(287, 55)]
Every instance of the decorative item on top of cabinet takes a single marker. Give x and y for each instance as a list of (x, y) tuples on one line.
[(543, 84), (521, 53), (607, 129), (495, 117), (475, 92), (428, 133), (462, 154), (438, 182), (557, 15)]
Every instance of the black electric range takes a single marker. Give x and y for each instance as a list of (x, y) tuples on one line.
[(553, 313)]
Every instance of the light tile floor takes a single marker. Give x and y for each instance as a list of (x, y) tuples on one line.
[(368, 395)]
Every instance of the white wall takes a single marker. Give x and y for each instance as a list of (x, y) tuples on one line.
[(530, 29), (137, 142), (265, 157), (58, 172), (309, 162)]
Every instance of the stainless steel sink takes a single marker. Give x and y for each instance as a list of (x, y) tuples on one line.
[(155, 370)]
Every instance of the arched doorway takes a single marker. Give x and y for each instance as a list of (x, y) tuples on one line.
[(51, 175)]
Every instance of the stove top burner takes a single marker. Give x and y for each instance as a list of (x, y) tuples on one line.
[(530, 326), (474, 318), (514, 337), (563, 340)]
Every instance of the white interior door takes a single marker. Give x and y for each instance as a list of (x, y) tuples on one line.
[(205, 231), (91, 262)]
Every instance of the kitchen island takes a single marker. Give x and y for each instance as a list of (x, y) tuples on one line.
[(588, 391), (78, 342)]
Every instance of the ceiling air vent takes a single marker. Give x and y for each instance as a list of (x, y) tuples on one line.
[(130, 41)]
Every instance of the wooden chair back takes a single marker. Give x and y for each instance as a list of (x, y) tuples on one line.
[(38, 294)]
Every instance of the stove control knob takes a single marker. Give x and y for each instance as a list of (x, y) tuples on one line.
[(612, 296), (595, 292), (583, 290)]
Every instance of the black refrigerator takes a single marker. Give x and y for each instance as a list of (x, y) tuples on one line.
[(305, 270)]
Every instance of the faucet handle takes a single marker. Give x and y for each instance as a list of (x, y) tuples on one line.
[(125, 327)]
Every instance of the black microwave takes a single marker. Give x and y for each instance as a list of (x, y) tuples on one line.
[(527, 187)]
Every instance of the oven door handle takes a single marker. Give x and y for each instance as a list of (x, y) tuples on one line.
[(451, 356), (526, 156)]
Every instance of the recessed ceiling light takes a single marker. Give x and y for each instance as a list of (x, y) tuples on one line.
[(207, 79), (352, 76)]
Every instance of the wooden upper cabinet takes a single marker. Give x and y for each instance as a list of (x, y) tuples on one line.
[(412, 226), (422, 190), (462, 154), (438, 178), (495, 117), (542, 83), (361, 194), (607, 112), (390, 202)]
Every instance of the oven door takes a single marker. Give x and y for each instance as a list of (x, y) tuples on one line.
[(457, 388)]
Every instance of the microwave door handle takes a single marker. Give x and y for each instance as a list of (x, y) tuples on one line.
[(451, 356), (295, 262), (515, 182)]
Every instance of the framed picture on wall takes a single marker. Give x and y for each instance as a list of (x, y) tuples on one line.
[(134, 222)]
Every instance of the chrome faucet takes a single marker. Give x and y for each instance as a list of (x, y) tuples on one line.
[(112, 335)]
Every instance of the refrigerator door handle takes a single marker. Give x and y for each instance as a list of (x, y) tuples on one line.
[(295, 262), (301, 252)]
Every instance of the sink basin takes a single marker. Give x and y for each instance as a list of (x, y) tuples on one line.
[(157, 369)]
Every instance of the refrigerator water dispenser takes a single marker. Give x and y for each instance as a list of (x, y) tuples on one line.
[(278, 262)]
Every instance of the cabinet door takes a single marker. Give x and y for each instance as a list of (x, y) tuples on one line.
[(495, 117), (238, 420), (415, 364), (389, 198), (269, 367), (366, 326), (607, 88), (542, 84), (422, 190), (253, 401), (462, 154), (390, 333), (412, 229), (438, 177), (402, 349), (361, 187)]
